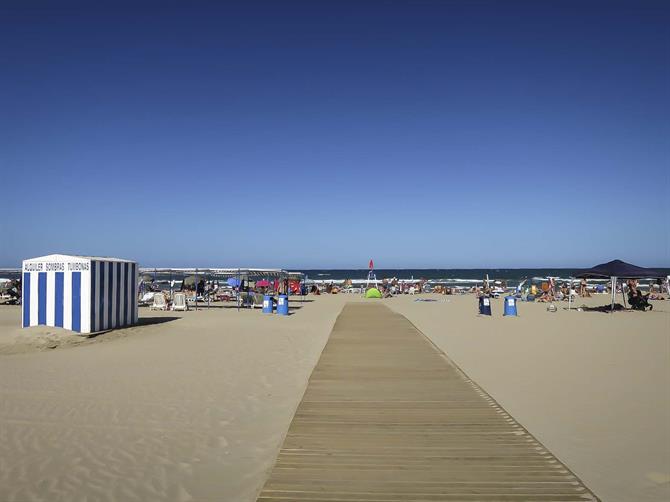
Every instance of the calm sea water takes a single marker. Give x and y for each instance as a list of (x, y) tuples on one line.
[(448, 275)]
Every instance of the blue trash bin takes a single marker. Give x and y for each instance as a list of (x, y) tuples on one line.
[(484, 305), (267, 304), (282, 305), (510, 306)]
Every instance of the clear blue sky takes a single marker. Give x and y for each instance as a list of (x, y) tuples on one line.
[(320, 134)]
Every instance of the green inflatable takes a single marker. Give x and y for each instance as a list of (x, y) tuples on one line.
[(373, 293)]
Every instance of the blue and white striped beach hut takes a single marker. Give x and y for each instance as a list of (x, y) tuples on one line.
[(80, 293)]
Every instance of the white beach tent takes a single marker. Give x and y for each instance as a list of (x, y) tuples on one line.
[(80, 293)]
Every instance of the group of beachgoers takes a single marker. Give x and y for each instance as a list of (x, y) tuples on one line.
[(393, 287), (10, 292), (248, 292), (387, 287), (636, 298), (548, 291)]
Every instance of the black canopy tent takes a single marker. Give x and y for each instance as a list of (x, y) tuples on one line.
[(617, 269)]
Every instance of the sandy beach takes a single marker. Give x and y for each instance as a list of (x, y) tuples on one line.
[(591, 387), (379, 166), (195, 405), (194, 408)]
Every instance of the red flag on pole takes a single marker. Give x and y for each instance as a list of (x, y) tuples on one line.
[(371, 265)]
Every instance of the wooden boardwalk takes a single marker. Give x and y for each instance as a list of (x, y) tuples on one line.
[(387, 417)]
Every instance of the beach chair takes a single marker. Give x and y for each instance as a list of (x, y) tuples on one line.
[(180, 302), (245, 300), (159, 302), (256, 300), (147, 299)]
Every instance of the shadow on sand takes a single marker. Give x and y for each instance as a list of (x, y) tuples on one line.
[(144, 321)]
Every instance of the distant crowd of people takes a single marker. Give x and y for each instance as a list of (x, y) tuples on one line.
[(547, 292)]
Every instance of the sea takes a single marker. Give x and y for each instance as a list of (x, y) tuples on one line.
[(450, 276)]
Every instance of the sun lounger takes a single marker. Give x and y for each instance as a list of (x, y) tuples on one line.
[(147, 299), (179, 302), (257, 300), (251, 300), (159, 302)]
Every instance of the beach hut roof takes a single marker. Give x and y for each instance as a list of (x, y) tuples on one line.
[(55, 257), (620, 269)]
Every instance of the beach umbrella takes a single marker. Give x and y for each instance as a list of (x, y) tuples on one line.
[(233, 282), (373, 293)]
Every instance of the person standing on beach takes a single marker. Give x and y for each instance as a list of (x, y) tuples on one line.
[(583, 291)]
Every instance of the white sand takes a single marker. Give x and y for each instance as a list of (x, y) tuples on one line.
[(594, 388), (192, 409), (196, 408)]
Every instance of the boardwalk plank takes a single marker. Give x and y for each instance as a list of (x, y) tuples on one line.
[(387, 417)]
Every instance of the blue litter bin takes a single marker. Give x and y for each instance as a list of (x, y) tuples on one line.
[(484, 305), (510, 306), (267, 304), (282, 305)]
